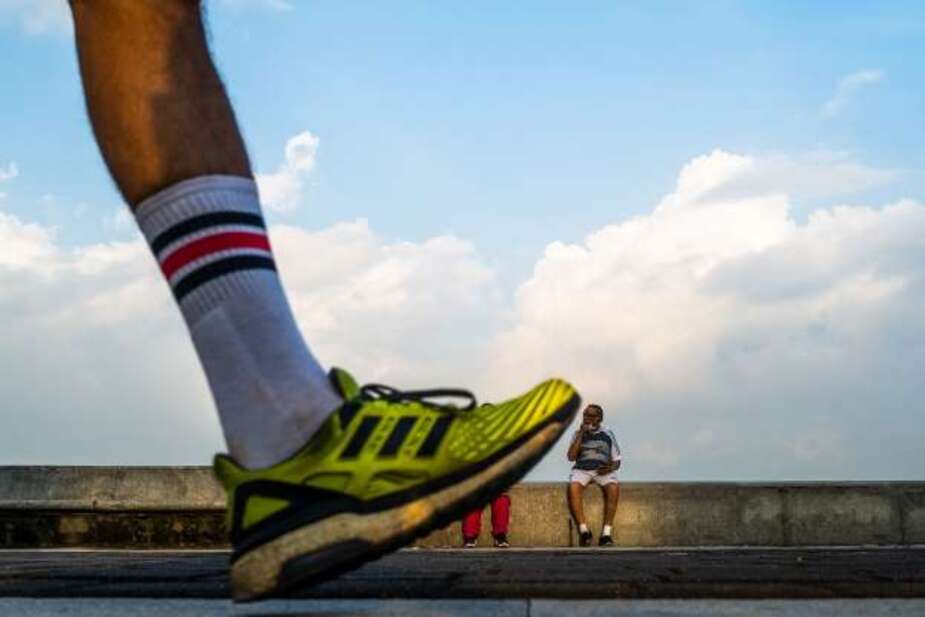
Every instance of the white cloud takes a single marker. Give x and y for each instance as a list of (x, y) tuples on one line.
[(37, 16), (119, 222), (24, 244), (717, 329), (390, 310), (9, 172), (821, 175), (847, 86), (282, 190), (92, 360), (724, 338), (93, 347)]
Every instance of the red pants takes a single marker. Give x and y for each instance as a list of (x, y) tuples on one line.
[(500, 518)]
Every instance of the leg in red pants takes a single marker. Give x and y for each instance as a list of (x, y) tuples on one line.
[(500, 519), (471, 527)]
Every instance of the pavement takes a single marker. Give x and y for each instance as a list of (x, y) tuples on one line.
[(482, 574), (119, 607)]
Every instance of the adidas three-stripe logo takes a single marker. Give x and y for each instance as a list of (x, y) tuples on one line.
[(397, 436), (208, 246)]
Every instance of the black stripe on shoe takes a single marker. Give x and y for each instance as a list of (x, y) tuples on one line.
[(435, 437), (397, 436), (359, 439), (348, 412)]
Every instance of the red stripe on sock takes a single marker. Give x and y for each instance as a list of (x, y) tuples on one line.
[(212, 244)]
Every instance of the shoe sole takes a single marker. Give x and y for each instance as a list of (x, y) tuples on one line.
[(343, 542)]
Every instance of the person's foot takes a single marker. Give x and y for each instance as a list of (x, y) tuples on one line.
[(501, 540), (605, 541), (386, 468), (470, 542), (585, 538)]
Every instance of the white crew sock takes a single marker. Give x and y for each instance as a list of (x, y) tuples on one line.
[(606, 531), (209, 238), (582, 528)]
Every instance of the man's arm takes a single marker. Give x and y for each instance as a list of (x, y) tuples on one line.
[(575, 446), (616, 458)]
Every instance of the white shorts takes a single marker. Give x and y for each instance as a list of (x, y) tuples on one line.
[(584, 477)]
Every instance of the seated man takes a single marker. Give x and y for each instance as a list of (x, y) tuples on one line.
[(500, 518), (596, 455)]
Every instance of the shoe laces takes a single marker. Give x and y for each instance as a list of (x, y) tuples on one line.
[(375, 391)]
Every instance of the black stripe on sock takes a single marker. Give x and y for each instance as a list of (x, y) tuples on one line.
[(397, 436), (219, 268), (435, 436), (204, 221), (359, 439)]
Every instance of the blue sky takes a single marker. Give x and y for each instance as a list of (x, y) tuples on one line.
[(481, 119), (514, 128)]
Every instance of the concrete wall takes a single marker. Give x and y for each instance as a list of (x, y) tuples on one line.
[(721, 514), (183, 507), (123, 507), (110, 488)]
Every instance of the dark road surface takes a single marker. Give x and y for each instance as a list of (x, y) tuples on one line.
[(515, 573)]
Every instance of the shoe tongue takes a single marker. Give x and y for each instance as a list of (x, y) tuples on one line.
[(227, 471), (347, 388), (344, 383)]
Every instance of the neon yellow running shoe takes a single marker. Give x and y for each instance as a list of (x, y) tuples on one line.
[(386, 468)]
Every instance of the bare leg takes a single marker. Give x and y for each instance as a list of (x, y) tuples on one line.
[(611, 499), (575, 503), (157, 105), (168, 135)]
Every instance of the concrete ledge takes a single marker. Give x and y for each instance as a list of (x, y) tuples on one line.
[(145, 507), (512, 573), (120, 489)]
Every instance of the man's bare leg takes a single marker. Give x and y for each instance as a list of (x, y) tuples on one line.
[(157, 105), (576, 505), (575, 502), (169, 137), (611, 500)]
